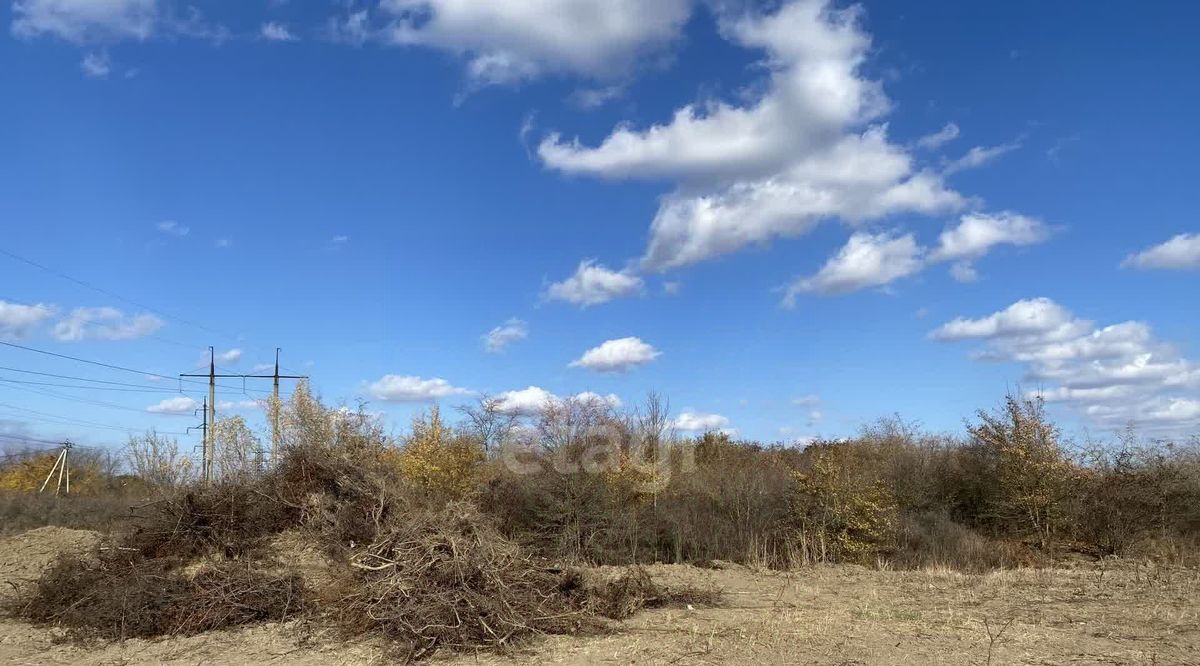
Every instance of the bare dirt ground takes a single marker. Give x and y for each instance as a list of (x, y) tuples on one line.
[(1088, 613)]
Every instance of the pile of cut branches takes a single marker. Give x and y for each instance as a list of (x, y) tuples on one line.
[(117, 597)]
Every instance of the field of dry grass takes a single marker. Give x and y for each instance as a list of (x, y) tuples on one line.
[(1084, 613)]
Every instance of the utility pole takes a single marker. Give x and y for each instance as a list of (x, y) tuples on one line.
[(211, 419), (275, 411), (61, 466), (203, 428), (211, 413)]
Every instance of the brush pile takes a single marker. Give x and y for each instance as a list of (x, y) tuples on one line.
[(446, 578), (425, 575), (118, 598)]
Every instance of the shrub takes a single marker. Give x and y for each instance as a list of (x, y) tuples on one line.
[(440, 462), (1033, 475), (90, 472), (157, 461), (845, 511), (934, 540)]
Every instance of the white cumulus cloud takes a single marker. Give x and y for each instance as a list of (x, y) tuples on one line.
[(977, 233), (525, 402), (1114, 375), (689, 421), (18, 320), (867, 260), (178, 405), (610, 400), (808, 148), (407, 388), (534, 400), (617, 355), (1039, 317), (509, 41), (1181, 252), (239, 405), (105, 323), (592, 284)]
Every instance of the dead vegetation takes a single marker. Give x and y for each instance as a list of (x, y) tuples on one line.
[(403, 563), (446, 578), (437, 542), (118, 597)]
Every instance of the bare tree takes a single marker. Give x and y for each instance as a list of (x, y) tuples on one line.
[(488, 421), (238, 451), (156, 459)]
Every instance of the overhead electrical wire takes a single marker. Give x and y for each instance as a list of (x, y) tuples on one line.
[(106, 384), (22, 438), (111, 366), (83, 401), (101, 290), (91, 387), (83, 379), (106, 292), (64, 420)]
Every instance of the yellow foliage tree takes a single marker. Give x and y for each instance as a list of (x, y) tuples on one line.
[(29, 473), (846, 510), (439, 461), (1033, 474)]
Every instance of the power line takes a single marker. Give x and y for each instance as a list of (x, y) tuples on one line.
[(106, 365), (81, 379), (54, 446), (64, 420), (21, 438), (82, 401), (101, 290), (113, 386), (92, 388), (106, 292)]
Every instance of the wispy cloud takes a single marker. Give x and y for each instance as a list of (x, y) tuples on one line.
[(500, 337), (274, 31), (96, 64), (173, 228)]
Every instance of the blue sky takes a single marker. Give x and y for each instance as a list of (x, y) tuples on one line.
[(790, 218)]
